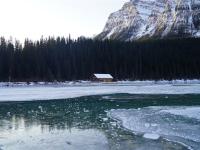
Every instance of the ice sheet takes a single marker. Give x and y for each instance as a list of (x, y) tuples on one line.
[(191, 112), (179, 124)]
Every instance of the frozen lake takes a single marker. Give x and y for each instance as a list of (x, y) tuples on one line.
[(62, 91), (150, 116)]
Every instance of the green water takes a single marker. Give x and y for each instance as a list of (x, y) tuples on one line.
[(81, 123)]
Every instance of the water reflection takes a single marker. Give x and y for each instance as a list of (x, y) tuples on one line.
[(40, 137), (79, 123)]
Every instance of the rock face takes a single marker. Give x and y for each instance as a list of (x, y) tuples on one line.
[(140, 19)]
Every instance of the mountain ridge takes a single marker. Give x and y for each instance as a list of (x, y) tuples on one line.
[(139, 19)]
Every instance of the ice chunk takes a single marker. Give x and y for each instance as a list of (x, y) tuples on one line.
[(151, 136), (105, 119)]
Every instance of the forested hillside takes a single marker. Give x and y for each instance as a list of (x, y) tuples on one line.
[(65, 59)]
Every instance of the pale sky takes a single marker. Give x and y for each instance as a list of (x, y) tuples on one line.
[(34, 18)]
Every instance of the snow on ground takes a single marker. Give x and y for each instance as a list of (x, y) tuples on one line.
[(180, 124), (70, 90)]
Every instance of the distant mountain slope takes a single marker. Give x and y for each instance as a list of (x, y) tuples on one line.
[(154, 18)]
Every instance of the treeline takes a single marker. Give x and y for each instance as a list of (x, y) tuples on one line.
[(63, 59)]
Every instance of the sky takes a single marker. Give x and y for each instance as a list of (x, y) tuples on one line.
[(35, 18)]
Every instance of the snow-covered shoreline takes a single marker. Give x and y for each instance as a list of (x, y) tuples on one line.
[(72, 90)]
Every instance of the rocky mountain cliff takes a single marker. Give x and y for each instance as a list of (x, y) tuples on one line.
[(140, 19)]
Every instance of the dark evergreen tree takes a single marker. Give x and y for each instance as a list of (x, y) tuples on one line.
[(63, 59)]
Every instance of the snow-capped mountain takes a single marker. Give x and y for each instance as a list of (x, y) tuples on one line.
[(154, 18)]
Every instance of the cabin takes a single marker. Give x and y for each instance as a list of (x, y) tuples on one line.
[(102, 77)]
